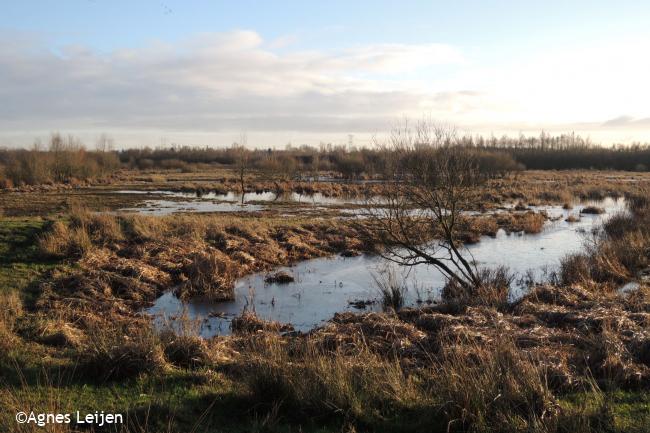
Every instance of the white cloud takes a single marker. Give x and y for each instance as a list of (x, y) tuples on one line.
[(223, 83), (215, 82)]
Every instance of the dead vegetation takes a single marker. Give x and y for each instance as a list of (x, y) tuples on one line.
[(280, 277), (528, 222), (112, 355), (480, 363), (249, 323), (473, 362), (123, 263), (593, 210), (10, 310)]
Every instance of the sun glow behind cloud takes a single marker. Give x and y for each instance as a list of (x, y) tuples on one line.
[(210, 87)]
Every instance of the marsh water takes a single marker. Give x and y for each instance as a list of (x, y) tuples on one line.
[(178, 201), (325, 286)]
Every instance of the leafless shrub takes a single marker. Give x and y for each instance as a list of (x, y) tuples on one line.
[(431, 182)]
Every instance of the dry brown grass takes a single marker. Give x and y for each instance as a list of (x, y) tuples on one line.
[(617, 254), (467, 387), (210, 275), (572, 218), (249, 323), (124, 262), (11, 308), (575, 269), (114, 354), (308, 381), (496, 388), (530, 222), (65, 241), (492, 291), (186, 351), (281, 277)]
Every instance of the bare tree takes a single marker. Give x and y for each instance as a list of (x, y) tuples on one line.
[(241, 162), (431, 181), (105, 143)]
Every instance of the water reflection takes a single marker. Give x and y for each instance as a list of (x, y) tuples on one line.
[(328, 285), (228, 202)]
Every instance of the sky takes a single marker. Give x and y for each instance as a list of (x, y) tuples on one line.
[(152, 73)]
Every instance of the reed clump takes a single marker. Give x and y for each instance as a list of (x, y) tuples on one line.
[(308, 381), (492, 289), (186, 351), (249, 323), (116, 354), (494, 388), (210, 275), (392, 289)]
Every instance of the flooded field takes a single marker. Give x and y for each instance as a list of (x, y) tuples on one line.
[(168, 202), (325, 286)]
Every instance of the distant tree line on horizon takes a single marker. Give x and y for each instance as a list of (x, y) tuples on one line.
[(65, 158)]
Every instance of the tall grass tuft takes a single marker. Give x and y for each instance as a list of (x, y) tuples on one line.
[(116, 354), (492, 289), (495, 388), (392, 288)]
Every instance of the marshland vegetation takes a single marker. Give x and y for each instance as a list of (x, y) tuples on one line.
[(571, 354)]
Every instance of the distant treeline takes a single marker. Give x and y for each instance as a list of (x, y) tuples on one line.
[(64, 159), (567, 151), (290, 162), (544, 152)]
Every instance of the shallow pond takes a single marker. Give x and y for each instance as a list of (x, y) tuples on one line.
[(325, 286), (178, 201)]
